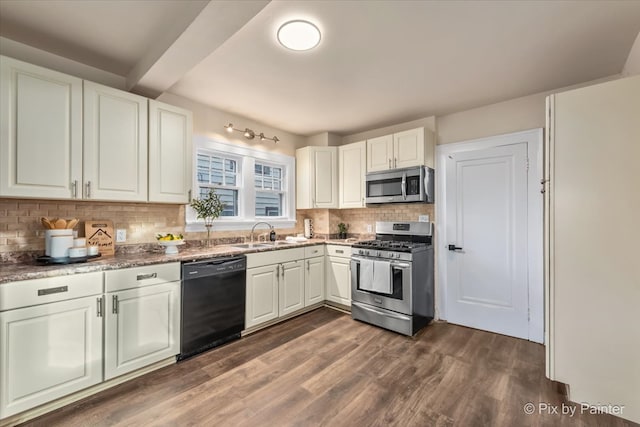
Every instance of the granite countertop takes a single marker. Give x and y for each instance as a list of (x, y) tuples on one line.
[(24, 271)]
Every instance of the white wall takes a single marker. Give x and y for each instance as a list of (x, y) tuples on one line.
[(209, 122), (42, 58), (632, 66)]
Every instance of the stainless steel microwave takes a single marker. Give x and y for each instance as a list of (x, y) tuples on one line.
[(405, 185)]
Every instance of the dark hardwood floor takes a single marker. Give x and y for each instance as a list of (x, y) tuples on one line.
[(323, 368)]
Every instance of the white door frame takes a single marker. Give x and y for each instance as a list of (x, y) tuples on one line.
[(535, 211)]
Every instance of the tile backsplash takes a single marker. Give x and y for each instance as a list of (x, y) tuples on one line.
[(21, 230)]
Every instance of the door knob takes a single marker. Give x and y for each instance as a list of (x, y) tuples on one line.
[(454, 248)]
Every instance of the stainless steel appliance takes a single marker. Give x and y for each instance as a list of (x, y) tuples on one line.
[(213, 303), (392, 277), (415, 184)]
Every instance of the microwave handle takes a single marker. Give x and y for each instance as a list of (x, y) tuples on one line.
[(404, 186)]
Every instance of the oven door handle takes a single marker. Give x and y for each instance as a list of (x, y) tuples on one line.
[(402, 265), (404, 186)]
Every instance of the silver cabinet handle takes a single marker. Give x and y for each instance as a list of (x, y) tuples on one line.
[(395, 162), (75, 189), (88, 186), (389, 163), (339, 251), (146, 276), (404, 186), (114, 300), (50, 291), (308, 265), (282, 266), (99, 303), (278, 272)]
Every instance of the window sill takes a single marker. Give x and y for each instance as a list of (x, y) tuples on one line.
[(222, 225)]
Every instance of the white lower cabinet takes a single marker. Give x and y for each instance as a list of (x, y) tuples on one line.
[(291, 287), (314, 281), (53, 346), (338, 279), (142, 326), (262, 295)]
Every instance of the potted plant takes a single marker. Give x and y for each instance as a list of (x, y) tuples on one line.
[(342, 230), (208, 208)]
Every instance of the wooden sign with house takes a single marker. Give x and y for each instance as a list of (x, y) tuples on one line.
[(100, 233)]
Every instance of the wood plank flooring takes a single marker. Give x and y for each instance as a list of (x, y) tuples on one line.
[(323, 368)]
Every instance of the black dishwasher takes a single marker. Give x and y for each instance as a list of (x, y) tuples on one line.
[(213, 302)]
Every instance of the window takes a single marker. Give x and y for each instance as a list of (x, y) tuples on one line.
[(222, 174), (269, 193), (255, 185)]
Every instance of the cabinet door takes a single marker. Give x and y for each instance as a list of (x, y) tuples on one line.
[(262, 295), (352, 159), (48, 351), (379, 153), (142, 326), (325, 177), (115, 144), (40, 132), (314, 281), (339, 280), (291, 287), (170, 155), (408, 148)]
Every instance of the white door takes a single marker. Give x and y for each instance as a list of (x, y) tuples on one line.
[(314, 281), (49, 351), (115, 144), (170, 155), (142, 326), (379, 153), (262, 295), (291, 287), (352, 160), (486, 217), (40, 132)]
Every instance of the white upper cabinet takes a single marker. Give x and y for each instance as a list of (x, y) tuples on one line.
[(170, 153), (352, 160), (412, 147), (317, 177), (115, 144), (40, 132), (408, 148), (380, 153)]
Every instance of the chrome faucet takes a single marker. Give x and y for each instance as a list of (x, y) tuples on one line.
[(257, 224)]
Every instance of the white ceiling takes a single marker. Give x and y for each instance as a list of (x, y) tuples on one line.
[(379, 62)]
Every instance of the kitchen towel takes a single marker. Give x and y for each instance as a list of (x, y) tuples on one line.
[(366, 275), (381, 277)]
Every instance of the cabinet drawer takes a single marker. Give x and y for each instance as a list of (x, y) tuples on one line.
[(313, 251), (274, 257), (136, 277), (339, 251), (52, 289)]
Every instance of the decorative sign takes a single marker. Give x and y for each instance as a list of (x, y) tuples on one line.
[(100, 234)]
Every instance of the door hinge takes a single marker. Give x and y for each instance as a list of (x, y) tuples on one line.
[(527, 164)]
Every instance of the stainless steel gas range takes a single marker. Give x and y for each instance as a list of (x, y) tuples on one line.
[(392, 277)]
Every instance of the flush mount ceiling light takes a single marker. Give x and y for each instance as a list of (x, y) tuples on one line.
[(298, 35), (249, 134)]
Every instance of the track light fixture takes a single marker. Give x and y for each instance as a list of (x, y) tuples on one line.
[(250, 134)]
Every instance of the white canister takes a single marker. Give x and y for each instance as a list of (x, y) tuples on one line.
[(77, 252), (60, 246), (92, 250), (79, 242), (48, 234)]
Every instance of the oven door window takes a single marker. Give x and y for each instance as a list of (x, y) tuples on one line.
[(384, 187)]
